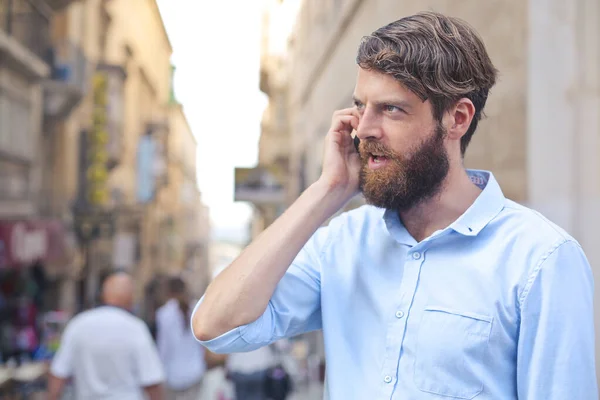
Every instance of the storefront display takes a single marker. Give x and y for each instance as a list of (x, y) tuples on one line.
[(21, 292), (33, 257)]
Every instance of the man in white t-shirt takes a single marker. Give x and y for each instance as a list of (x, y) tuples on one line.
[(108, 352)]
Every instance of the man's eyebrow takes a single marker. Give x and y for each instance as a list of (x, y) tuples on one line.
[(403, 104), (394, 102)]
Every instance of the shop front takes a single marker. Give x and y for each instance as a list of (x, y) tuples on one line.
[(23, 243), (34, 257)]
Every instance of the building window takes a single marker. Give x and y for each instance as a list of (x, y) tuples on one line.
[(15, 126), (14, 180), (16, 145)]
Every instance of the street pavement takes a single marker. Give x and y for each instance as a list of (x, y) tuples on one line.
[(312, 392)]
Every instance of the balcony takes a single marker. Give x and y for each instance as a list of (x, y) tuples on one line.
[(262, 185), (68, 83), (27, 22), (59, 5)]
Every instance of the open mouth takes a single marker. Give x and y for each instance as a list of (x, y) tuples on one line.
[(377, 158)]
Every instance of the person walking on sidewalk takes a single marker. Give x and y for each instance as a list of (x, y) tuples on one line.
[(440, 287), (248, 372), (183, 357), (107, 351)]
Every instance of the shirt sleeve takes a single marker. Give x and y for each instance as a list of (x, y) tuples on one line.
[(62, 363), (147, 361), (555, 359), (294, 308)]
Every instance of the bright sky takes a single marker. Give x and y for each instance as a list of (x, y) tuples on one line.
[(216, 49)]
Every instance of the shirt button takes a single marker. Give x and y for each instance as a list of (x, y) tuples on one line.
[(416, 255), (387, 379), (399, 314)]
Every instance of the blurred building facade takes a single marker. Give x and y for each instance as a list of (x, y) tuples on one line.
[(23, 69), (186, 229), (541, 136), (37, 246), (30, 86), (125, 164), (97, 160)]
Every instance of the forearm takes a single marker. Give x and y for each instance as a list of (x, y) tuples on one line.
[(155, 392), (240, 294), (55, 387)]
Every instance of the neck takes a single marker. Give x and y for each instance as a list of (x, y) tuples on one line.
[(118, 304), (456, 195)]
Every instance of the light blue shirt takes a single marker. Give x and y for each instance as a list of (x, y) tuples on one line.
[(497, 306)]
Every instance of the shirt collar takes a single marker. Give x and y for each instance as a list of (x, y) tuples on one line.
[(485, 208), (487, 205)]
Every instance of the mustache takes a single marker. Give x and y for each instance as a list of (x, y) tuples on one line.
[(369, 146)]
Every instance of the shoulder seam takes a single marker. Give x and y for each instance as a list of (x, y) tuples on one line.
[(534, 274)]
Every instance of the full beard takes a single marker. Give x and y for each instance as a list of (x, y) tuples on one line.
[(405, 182)]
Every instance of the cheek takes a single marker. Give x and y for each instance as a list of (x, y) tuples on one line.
[(403, 137)]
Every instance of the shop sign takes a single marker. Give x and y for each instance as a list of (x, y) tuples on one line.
[(27, 245), (26, 242), (97, 171)]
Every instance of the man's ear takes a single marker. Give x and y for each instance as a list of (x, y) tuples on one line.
[(459, 118)]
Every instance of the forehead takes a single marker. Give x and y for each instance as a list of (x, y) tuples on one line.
[(374, 86)]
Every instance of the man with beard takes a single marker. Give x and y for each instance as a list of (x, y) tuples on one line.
[(441, 288)]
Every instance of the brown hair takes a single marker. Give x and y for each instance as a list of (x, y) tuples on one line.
[(439, 58), (177, 288)]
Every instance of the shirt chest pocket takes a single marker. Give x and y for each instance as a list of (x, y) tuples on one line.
[(452, 349)]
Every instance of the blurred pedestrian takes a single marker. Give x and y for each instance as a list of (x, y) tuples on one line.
[(248, 372), (182, 356), (107, 351)]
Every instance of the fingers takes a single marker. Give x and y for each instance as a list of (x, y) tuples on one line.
[(345, 120)]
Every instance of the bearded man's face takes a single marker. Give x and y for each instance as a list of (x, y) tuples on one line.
[(400, 182)]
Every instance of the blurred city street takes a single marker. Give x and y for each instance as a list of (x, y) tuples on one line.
[(157, 138)]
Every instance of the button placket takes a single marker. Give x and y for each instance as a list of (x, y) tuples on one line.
[(397, 327)]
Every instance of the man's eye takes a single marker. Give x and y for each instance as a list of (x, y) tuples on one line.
[(359, 106), (391, 108)]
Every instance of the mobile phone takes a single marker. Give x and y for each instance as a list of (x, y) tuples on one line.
[(356, 142)]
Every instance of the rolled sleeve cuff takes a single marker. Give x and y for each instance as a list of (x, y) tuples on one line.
[(243, 338)]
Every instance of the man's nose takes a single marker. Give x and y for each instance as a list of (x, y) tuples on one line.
[(369, 125)]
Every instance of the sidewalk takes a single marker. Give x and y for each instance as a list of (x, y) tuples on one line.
[(313, 392)]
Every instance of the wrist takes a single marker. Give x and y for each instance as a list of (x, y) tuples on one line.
[(331, 193)]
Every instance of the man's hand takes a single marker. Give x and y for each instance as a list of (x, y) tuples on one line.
[(341, 162)]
